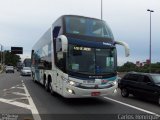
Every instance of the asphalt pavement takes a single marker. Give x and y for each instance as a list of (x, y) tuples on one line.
[(20, 96)]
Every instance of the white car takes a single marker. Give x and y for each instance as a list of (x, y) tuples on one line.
[(9, 69), (26, 71)]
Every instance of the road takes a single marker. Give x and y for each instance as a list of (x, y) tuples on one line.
[(22, 98)]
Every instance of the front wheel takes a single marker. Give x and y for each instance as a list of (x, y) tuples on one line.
[(124, 92), (51, 89), (33, 77), (46, 85)]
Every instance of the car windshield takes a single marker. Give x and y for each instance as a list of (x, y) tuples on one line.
[(87, 27), (91, 61), (156, 78), (9, 67), (26, 68)]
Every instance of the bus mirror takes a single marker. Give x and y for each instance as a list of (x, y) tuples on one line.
[(56, 31), (127, 50), (64, 42)]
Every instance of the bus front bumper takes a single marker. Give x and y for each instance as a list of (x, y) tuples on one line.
[(76, 92)]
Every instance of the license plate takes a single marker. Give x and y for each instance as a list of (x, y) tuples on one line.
[(95, 93)]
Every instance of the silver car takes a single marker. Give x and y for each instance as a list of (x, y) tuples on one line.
[(9, 69), (26, 71)]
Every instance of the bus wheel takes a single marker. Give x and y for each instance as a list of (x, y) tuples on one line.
[(33, 77), (46, 85), (51, 89)]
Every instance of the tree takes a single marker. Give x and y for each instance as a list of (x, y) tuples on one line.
[(128, 66), (11, 59)]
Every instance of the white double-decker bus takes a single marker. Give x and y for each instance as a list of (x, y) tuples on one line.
[(77, 57)]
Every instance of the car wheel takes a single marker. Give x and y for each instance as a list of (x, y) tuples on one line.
[(124, 92)]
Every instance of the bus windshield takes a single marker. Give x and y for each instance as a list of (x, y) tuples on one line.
[(87, 27), (91, 61)]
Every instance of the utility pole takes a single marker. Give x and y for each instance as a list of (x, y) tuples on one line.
[(101, 9), (1, 55), (150, 49)]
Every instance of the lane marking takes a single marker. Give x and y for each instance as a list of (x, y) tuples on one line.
[(128, 105), (14, 87), (18, 93), (31, 106), (33, 109), (19, 104), (22, 98), (20, 87)]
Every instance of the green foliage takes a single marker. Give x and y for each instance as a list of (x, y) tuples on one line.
[(11, 59), (129, 66)]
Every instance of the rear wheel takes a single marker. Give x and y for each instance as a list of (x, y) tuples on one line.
[(46, 85), (124, 92)]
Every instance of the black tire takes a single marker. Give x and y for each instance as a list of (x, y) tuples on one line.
[(46, 85), (51, 89), (33, 78), (124, 92)]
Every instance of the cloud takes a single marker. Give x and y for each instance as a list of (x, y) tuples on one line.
[(22, 22)]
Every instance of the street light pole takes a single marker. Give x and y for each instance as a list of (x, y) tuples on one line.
[(101, 9), (1, 55), (150, 57)]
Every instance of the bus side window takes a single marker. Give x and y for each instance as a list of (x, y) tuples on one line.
[(58, 45), (61, 61)]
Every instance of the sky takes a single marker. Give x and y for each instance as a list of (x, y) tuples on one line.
[(23, 22)]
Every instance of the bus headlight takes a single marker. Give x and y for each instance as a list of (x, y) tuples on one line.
[(73, 83), (70, 82), (114, 82)]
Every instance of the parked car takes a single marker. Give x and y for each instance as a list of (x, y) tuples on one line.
[(144, 85), (26, 71), (9, 69)]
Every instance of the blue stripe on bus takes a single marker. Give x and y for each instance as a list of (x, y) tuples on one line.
[(88, 43), (111, 79)]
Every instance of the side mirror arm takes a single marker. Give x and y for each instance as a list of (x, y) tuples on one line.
[(126, 47), (64, 42)]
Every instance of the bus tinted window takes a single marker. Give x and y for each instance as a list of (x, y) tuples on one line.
[(87, 27)]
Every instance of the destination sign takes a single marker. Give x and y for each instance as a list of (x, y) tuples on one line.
[(82, 48)]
